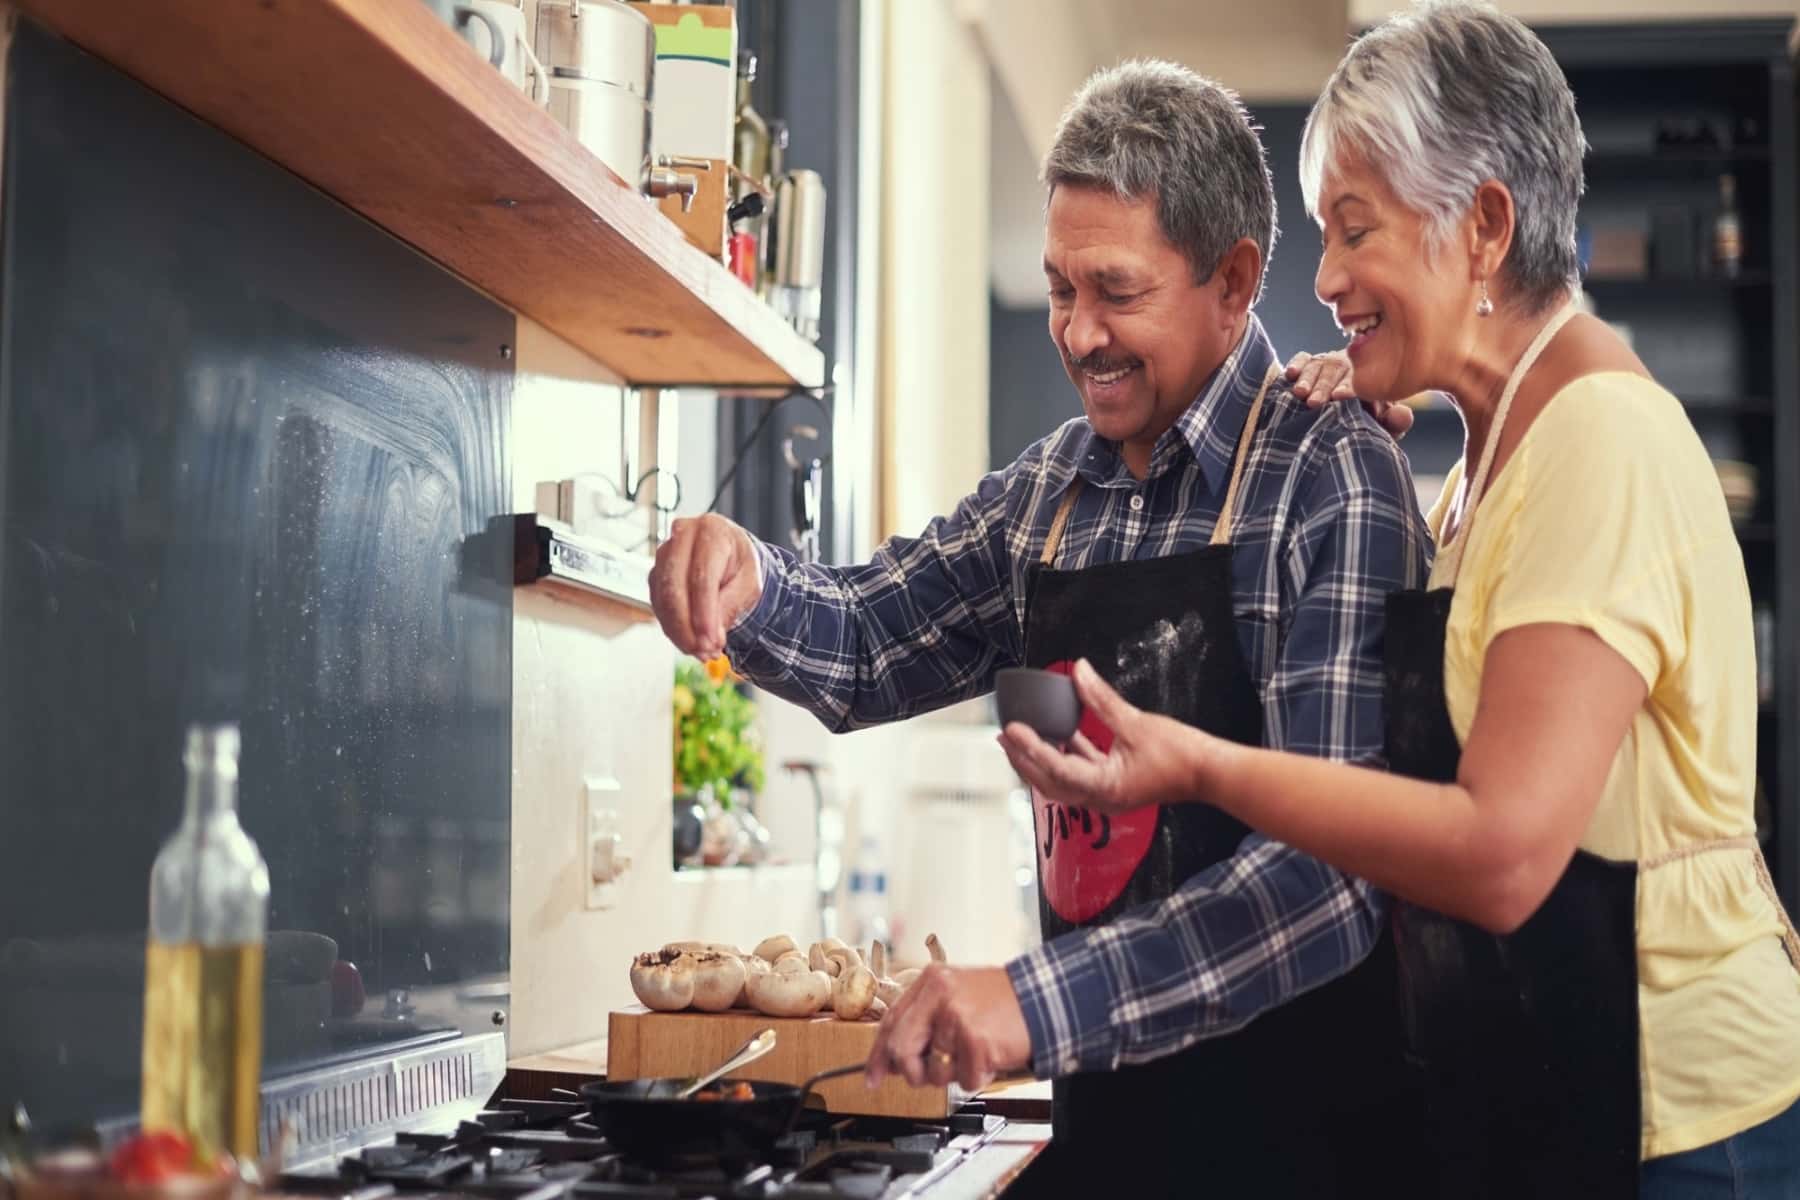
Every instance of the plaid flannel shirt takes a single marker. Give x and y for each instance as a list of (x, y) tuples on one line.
[(1327, 524)]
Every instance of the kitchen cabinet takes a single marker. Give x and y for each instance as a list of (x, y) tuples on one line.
[(381, 106)]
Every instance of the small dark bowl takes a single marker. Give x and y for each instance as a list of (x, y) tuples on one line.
[(1043, 700)]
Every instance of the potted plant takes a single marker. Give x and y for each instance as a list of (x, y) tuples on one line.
[(716, 749)]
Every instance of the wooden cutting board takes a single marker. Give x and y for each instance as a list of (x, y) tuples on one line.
[(655, 1045)]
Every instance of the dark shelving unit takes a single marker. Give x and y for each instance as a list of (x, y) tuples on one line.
[(1726, 343)]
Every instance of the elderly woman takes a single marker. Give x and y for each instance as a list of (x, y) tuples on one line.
[(1598, 982)]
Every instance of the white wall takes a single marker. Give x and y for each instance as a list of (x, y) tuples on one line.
[(933, 306), (591, 688)]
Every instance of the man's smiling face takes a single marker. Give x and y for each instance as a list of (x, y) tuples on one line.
[(1138, 336)]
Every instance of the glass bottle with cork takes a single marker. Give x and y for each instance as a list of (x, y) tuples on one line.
[(750, 158), (1728, 232), (203, 988)]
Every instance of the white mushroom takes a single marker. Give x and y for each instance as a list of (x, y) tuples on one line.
[(877, 1009), (789, 993), (853, 993), (718, 981), (910, 976), (753, 967), (792, 961), (663, 981), (843, 959), (818, 959), (887, 991), (697, 948), (772, 948)]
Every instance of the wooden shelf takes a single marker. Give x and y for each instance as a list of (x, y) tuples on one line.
[(383, 107)]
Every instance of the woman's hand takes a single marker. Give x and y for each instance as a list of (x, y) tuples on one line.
[(1320, 379), (1153, 760)]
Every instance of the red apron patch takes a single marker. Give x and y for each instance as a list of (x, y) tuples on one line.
[(1086, 858)]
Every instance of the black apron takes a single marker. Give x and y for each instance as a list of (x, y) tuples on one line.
[(1524, 1046), (1301, 1102)]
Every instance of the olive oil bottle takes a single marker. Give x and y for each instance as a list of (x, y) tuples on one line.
[(203, 987)]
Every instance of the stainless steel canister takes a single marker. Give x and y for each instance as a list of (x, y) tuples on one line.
[(601, 59), (799, 250)]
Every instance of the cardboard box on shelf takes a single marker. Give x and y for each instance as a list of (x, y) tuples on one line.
[(704, 221), (696, 79)]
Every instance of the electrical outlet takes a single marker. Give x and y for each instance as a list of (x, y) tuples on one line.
[(606, 859)]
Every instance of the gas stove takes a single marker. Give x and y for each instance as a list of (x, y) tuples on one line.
[(548, 1150)]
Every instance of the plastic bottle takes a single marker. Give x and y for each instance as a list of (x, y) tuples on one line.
[(867, 905)]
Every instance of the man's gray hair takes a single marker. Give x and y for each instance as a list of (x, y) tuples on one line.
[(1443, 98), (1155, 129)]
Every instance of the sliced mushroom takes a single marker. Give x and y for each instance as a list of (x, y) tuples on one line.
[(663, 981), (772, 948), (718, 981), (790, 994), (853, 993)]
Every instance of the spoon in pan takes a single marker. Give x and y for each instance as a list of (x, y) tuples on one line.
[(749, 1052)]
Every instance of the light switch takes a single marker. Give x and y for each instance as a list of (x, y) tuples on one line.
[(604, 846)]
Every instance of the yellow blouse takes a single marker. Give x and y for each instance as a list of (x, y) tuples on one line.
[(1609, 516)]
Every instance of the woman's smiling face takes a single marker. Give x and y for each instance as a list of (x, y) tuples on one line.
[(1404, 304)]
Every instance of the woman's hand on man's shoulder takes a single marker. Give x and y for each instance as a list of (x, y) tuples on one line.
[(1320, 379)]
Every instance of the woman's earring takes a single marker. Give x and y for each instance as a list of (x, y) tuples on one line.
[(1484, 307)]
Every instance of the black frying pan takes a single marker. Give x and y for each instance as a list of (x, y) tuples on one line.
[(641, 1118)]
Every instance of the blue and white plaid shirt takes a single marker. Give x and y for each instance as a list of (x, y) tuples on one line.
[(1326, 526)]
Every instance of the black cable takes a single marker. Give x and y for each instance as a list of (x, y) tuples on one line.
[(762, 422)]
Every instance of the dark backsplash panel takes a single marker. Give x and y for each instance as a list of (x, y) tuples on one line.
[(245, 442)]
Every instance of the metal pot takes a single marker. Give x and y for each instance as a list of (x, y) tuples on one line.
[(600, 56)]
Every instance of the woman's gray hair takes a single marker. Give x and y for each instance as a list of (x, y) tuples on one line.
[(1443, 98), (1149, 128)]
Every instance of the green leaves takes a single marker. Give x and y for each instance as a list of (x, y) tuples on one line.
[(716, 743)]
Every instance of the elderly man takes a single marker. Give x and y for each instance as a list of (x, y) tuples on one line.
[(1217, 1008)]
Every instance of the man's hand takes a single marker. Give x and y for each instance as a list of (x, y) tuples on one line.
[(703, 581), (1320, 379), (954, 1024), (1153, 759)]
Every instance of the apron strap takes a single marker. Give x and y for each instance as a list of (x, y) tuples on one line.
[(1453, 552), (1061, 522), (1790, 940), (1221, 534)]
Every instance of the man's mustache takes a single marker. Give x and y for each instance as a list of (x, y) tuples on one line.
[(1097, 363)]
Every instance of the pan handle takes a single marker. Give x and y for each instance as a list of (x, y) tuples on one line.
[(807, 1087)]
